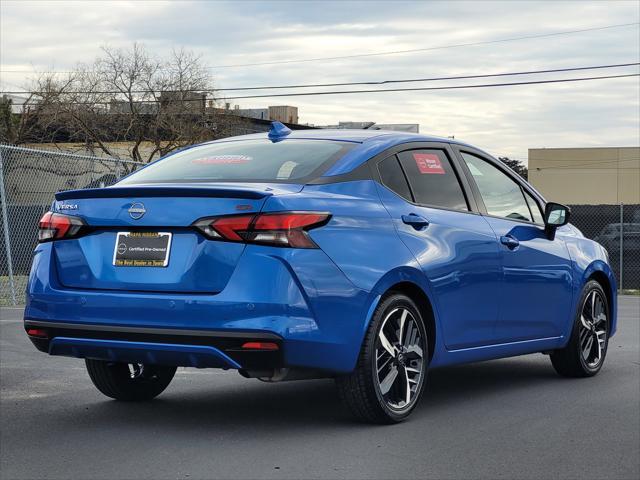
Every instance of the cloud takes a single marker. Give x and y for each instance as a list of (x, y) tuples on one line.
[(504, 121)]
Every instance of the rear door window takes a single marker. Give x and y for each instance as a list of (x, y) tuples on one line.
[(257, 160), (432, 179)]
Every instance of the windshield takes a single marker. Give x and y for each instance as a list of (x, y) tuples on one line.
[(260, 160)]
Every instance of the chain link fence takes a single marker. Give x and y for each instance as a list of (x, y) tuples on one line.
[(617, 228), (28, 181)]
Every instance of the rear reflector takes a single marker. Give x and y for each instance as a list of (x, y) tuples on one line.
[(260, 346), (280, 229), (37, 332)]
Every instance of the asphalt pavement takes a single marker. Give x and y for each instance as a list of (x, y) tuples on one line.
[(511, 418)]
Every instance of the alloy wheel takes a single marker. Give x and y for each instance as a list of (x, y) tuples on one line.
[(399, 359), (593, 329)]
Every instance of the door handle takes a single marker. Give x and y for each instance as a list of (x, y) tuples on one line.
[(509, 241), (416, 221)]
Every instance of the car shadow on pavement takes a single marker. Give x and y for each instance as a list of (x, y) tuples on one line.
[(449, 385), (310, 403)]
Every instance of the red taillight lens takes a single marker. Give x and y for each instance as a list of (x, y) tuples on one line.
[(288, 221), (282, 229), (231, 228), (55, 226), (260, 346)]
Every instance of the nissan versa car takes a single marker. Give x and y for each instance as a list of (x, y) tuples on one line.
[(365, 256)]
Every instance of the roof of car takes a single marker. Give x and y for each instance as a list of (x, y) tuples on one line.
[(371, 143), (346, 135)]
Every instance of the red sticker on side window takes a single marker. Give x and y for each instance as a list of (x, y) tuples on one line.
[(428, 163)]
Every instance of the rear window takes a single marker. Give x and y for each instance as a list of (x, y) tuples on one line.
[(260, 160)]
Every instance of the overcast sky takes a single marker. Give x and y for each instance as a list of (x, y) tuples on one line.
[(505, 121)]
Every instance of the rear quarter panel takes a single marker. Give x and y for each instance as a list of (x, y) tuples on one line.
[(362, 242), (360, 237)]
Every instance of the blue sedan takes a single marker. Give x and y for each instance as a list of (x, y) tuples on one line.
[(365, 256)]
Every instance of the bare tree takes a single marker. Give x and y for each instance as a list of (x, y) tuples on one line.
[(152, 106), (516, 165)]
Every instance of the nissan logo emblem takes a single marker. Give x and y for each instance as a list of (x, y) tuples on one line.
[(137, 210)]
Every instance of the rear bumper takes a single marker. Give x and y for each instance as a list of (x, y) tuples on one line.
[(142, 352), (297, 296), (188, 348)]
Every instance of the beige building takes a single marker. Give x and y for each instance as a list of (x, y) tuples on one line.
[(587, 176), (283, 113)]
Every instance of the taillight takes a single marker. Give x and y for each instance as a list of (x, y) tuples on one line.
[(55, 226), (281, 229)]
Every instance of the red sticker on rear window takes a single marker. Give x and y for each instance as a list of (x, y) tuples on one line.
[(428, 163), (222, 160)]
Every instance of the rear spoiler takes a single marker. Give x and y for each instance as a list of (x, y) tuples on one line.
[(164, 191)]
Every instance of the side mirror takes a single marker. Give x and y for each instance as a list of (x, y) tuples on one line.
[(555, 215)]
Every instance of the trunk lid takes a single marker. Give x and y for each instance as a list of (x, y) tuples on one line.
[(194, 263)]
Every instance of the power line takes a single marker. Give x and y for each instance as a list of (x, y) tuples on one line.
[(413, 89), (570, 166), (439, 47), (392, 52), (596, 163), (379, 82), (432, 79), (597, 171)]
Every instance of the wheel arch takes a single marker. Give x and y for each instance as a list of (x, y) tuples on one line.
[(410, 281), (418, 295), (602, 273), (603, 280)]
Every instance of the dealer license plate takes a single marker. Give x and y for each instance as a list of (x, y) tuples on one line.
[(142, 249)]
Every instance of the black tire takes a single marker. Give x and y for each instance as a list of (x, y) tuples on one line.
[(361, 390), (131, 384), (570, 361)]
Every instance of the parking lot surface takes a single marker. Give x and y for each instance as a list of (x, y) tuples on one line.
[(511, 418)]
